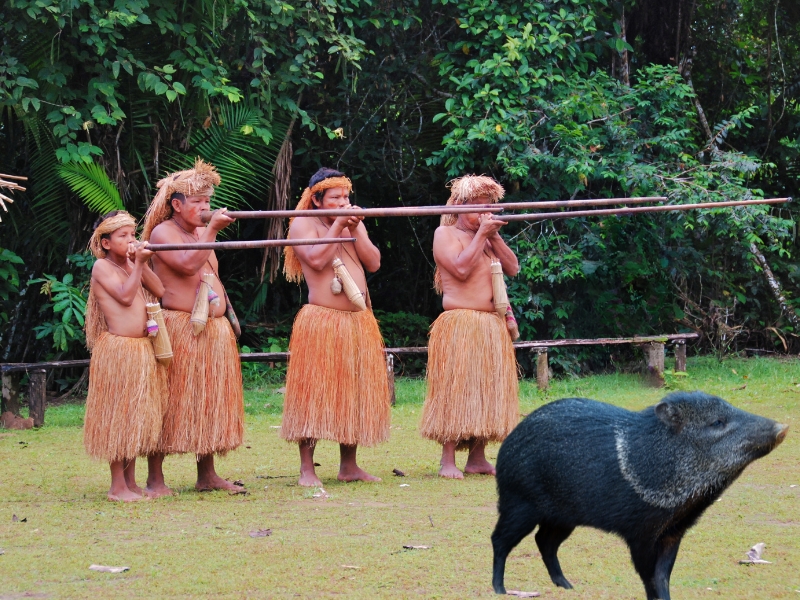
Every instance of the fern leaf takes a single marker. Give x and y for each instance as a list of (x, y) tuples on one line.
[(92, 185)]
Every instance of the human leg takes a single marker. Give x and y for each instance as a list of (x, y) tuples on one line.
[(119, 491), (130, 476), (207, 478), (448, 463), (155, 477), (308, 474), (348, 469), (476, 462)]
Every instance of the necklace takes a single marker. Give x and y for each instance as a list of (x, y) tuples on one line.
[(141, 289), (192, 235), (336, 283)]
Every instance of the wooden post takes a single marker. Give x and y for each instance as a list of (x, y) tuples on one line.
[(390, 375), (542, 369), (680, 356), (37, 396), (10, 400), (654, 370)]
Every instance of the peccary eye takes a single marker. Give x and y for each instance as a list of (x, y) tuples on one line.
[(718, 423)]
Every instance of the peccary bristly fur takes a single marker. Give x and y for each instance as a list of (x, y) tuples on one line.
[(646, 476)]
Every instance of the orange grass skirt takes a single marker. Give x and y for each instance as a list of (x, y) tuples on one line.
[(205, 412), (472, 379), (336, 383), (126, 401)]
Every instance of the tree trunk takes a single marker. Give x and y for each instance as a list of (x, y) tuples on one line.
[(775, 287)]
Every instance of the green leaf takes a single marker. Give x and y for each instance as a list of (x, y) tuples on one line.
[(92, 185)]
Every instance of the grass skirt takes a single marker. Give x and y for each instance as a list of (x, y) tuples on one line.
[(205, 412), (472, 379), (126, 401), (336, 384)]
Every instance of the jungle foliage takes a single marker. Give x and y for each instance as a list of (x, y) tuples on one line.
[(693, 100)]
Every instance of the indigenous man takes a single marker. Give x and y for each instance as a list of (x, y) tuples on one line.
[(336, 385), (472, 374), (205, 412), (127, 387)]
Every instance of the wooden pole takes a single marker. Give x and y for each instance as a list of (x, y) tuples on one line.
[(246, 244), (37, 396), (680, 356), (635, 210), (542, 369), (397, 211), (390, 375), (10, 401), (572, 203), (654, 369)]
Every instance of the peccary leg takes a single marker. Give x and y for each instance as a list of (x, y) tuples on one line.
[(549, 538), (645, 556), (668, 552), (517, 519)]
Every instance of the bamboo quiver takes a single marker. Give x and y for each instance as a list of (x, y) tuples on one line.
[(501, 303), (350, 288), (201, 304), (161, 343)]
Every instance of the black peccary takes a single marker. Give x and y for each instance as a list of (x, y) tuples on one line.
[(646, 476)]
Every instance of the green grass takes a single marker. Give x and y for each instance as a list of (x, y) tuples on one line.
[(197, 545)]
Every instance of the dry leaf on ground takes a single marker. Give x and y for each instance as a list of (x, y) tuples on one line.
[(410, 547), (754, 555), (350, 567), (519, 594), (258, 533), (104, 569)]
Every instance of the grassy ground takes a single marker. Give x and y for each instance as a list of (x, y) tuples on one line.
[(350, 544)]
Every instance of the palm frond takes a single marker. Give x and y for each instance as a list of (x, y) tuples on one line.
[(92, 185), (244, 162)]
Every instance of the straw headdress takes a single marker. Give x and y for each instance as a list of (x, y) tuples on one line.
[(109, 225), (462, 191), (291, 264), (197, 181)]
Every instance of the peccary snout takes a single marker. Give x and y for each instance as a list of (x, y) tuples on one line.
[(646, 476)]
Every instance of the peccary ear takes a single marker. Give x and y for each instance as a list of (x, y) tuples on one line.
[(671, 415)]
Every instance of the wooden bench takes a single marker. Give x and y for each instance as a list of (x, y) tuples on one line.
[(653, 346)]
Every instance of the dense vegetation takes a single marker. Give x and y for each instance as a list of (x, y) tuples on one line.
[(694, 100)]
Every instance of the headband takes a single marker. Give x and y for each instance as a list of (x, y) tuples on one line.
[(291, 264), (107, 226)]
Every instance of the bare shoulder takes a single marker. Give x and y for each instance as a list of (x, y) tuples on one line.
[(104, 272), (164, 233), (444, 232), (303, 227)]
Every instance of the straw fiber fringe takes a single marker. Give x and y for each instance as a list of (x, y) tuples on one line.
[(336, 385), (126, 401), (463, 190), (94, 320), (205, 412), (472, 379)]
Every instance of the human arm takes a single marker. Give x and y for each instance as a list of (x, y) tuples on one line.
[(456, 260), (107, 276), (368, 253), (504, 254), (150, 280), (188, 262), (321, 256)]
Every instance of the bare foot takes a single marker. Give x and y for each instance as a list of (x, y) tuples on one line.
[(135, 488), (355, 474), (309, 480), (451, 472), (479, 467), (157, 491), (215, 482), (126, 496)]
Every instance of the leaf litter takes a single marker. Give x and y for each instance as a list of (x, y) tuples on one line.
[(105, 569)]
